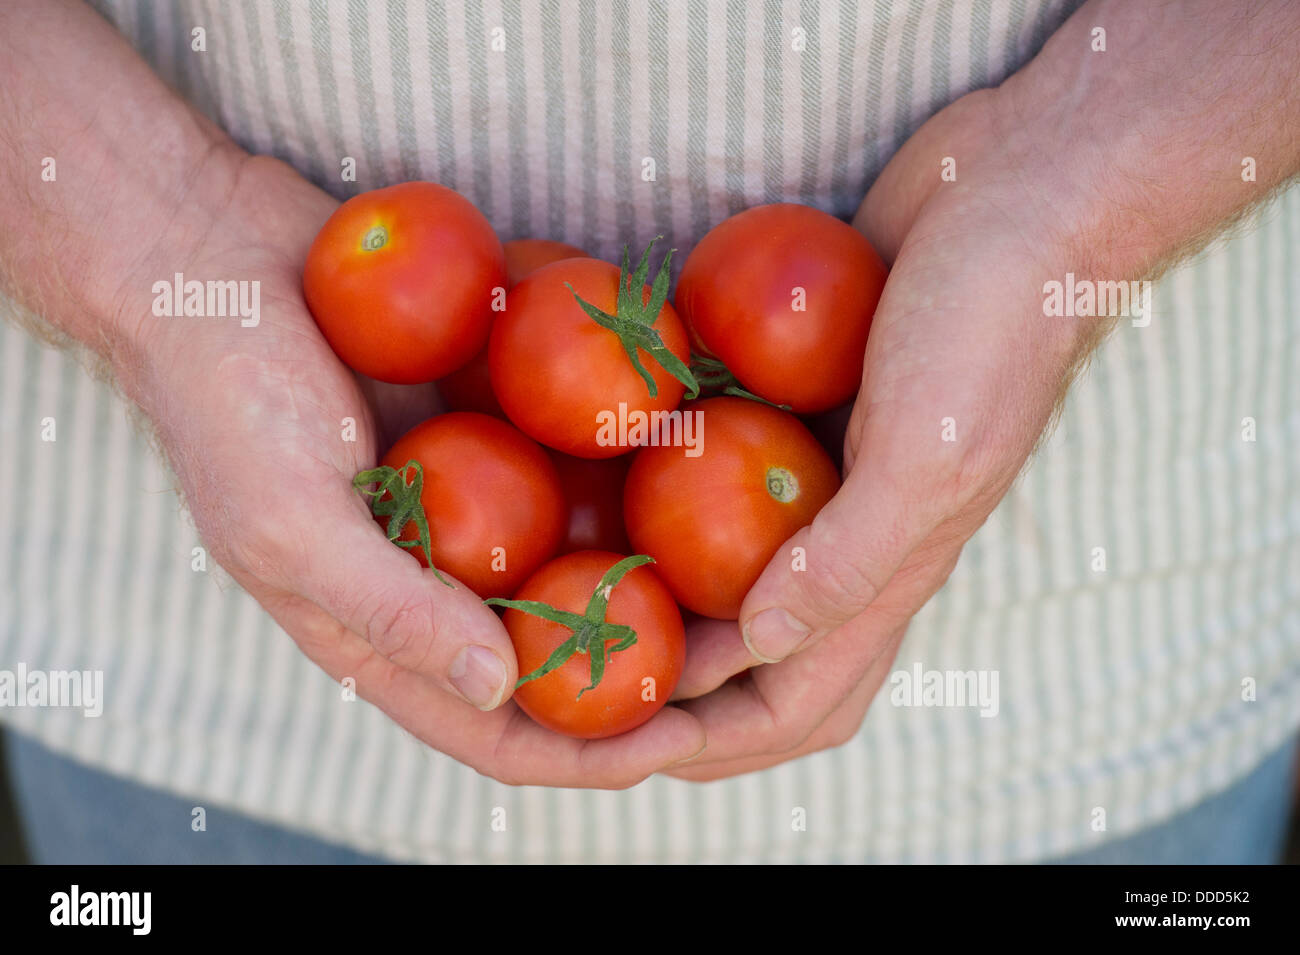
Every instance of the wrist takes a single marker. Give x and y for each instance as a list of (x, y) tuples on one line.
[(129, 261), (1073, 182)]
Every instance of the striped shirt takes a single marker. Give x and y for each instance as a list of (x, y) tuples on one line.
[(1137, 689)]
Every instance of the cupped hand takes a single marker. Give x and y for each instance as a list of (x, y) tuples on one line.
[(962, 376), (265, 428)]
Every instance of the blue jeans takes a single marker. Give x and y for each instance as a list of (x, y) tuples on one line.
[(1245, 824), (75, 815)]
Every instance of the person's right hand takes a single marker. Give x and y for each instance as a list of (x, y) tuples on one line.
[(252, 421)]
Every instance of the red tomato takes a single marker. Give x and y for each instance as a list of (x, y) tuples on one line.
[(712, 522), (593, 490), (784, 295), (470, 388), (526, 256), (557, 373), (491, 496), (619, 703), (401, 280)]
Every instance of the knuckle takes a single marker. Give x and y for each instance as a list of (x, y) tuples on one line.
[(594, 776), (836, 573), (987, 459), (791, 735), (402, 629)]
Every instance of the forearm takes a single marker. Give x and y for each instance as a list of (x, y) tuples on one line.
[(1105, 166), (136, 174), (1153, 135)]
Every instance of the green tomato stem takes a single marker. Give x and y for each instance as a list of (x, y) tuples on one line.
[(713, 375), (401, 507), (590, 630), (633, 321)]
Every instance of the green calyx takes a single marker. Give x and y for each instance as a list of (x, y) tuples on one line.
[(715, 377), (633, 320), (590, 630), (402, 506)]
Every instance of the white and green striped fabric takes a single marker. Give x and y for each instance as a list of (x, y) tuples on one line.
[(1119, 689)]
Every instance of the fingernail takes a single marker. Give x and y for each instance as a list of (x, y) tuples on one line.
[(480, 676), (691, 758), (773, 635)]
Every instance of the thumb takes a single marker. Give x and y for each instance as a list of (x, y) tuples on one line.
[(845, 559), (348, 568)]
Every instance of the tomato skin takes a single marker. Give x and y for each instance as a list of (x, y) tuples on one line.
[(526, 256), (554, 370), (640, 601), (593, 491), (485, 486), (710, 522), (736, 294), (470, 388), (417, 307)]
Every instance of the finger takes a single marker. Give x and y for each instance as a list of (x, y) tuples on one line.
[(526, 752), (336, 556), (714, 653), (505, 743), (837, 729), (852, 549), (779, 707), (508, 746), (907, 472)]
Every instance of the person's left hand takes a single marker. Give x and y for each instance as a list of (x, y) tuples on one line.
[(962, 375)]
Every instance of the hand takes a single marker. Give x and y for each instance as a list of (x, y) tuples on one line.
[(1053, 176), (962, 375), (252, 419)]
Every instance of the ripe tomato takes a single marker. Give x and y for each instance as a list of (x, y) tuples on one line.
[(491, 496), (470, 388), (401, 281), (784, 294), (526, 256), (623, 699), (593, 490), (712, 522), (557, 372)]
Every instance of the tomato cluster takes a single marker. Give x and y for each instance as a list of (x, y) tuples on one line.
[(592, 419)]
